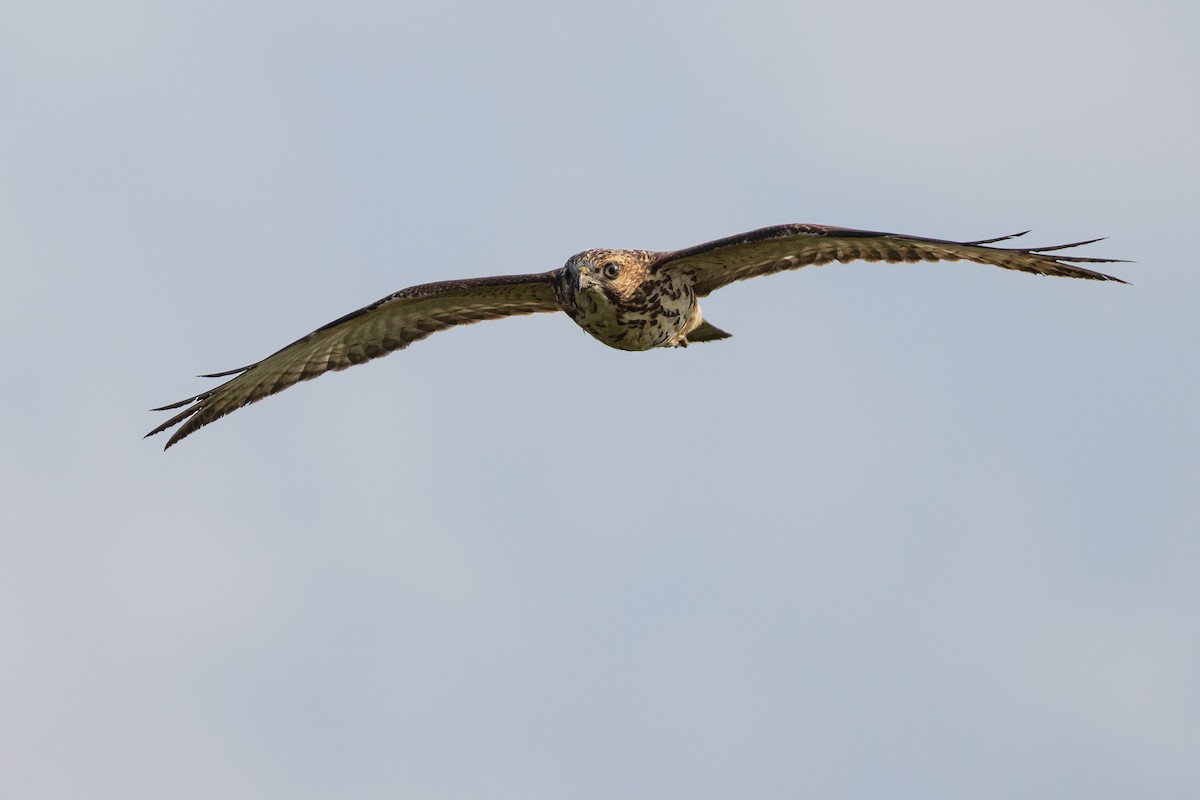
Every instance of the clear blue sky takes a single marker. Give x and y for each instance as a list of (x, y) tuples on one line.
[(914, 531)]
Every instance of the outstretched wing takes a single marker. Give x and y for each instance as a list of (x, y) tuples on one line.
[(392, 323), (782, 247)]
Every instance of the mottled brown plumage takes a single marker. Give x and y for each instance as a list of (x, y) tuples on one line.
[(628, 299)]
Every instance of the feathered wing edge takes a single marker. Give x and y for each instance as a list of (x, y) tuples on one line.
[(382, 327), (783, 247)]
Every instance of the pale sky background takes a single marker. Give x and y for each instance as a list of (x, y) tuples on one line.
[(914, 532)]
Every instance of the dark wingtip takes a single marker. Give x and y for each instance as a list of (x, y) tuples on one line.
[(1066, 246), (175, 405), (157, 430), (175, 437), (226, 373), (183, 418), (999, 238), (1065, 260), (166, 446)]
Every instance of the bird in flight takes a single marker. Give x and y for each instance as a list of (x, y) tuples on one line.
[(628, 299)]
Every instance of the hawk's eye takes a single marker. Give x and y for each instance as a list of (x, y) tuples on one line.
[(612, 270)]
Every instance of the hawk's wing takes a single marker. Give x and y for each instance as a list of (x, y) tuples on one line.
[(392, 323), (769, 250)]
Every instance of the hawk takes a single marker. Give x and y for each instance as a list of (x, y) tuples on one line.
[(628, 299)]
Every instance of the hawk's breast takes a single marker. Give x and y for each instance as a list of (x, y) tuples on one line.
[(659, 314)]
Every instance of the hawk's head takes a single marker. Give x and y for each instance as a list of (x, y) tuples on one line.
[(613, 295), (614, 275)]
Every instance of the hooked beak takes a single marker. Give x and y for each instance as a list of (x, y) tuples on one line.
[(583, 281)]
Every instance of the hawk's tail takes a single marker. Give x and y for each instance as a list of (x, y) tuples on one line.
[(706, 332)]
